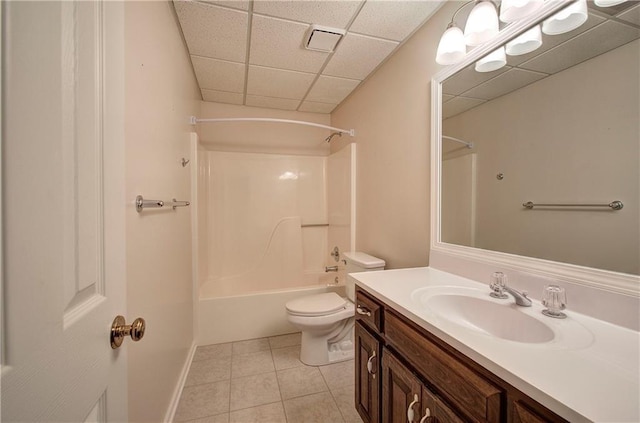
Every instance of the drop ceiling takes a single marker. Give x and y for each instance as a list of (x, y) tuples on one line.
[(251, 52), (604, 30)]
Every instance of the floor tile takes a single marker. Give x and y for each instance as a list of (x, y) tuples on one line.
[(207, 352), (316, 408), (287, 357), (300, 381), (220, 418), (339, 374), (254, 390), (288, 340), (202, 401), (207, 371), (271, 413), (252, 345), (251, 364), (344, 398)]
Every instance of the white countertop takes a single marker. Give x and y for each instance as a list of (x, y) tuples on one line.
[(597, 380)]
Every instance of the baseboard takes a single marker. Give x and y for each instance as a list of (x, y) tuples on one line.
[(175, 399)]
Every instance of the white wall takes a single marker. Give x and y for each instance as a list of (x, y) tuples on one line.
[(569, 138), (161, 93), (391, 116)]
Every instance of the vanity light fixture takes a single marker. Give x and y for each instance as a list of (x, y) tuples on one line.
[(608, 3), (451, 48), (482, 23), (526, 42), (512, 10), (568, 19), (492, 61)]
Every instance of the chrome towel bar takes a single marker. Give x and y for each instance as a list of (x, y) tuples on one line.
[(142, 204), (313, 225), (614, 205)]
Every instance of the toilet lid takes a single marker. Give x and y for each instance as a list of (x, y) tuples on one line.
[(316, 305)]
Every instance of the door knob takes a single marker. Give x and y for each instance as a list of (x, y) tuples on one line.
[(120, 329)]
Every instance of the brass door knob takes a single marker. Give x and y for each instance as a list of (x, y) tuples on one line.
[(120, 329)]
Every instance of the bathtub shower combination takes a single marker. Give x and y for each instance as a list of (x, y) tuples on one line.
[(266, 224)]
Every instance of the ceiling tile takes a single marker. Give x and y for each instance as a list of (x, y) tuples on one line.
[(611, 10), (468, 78), (393, 20), (219, 74), (329, 89), (222, 97), (272, 102), (278, 83), (505, 83), (329, 13), (213, 31), (446, 97), (235, 4), (358, 55), (313, 107), (277, 43), (459, 105), (592, 43), (631, 15), (550, 41)]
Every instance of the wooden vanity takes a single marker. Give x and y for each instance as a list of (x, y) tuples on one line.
[(403, 371)]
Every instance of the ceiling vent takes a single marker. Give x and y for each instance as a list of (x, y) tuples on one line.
[(322, 38)]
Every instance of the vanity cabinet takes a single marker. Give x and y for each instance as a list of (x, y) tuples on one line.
[(406, 374)]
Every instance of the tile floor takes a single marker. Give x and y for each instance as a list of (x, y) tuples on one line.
[(263, 380)]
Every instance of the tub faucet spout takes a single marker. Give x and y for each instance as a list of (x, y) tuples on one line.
[(331, 268)]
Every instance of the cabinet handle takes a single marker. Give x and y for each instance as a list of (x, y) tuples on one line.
[(363, 310), (427, 416), (410, 412), (370, 367)]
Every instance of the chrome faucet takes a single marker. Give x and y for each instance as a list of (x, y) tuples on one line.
[(521, 297), (331, 268), (499, 285)]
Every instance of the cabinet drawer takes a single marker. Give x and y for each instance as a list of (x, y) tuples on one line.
[(464, 388), (368, 311)]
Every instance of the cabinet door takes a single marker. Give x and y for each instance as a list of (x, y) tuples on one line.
[(401, 391), (367, 362), (522, 414), (435, 410)]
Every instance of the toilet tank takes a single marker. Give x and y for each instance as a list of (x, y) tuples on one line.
[(359, 262)]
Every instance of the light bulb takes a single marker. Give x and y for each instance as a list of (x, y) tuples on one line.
[(526, 42), (482, 24), (568, 19), (492, 61), (512, 10), (451, 48)]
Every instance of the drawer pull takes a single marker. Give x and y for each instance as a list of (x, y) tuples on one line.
[(427, 416), (370, 367), (410, 412), (363, 311)]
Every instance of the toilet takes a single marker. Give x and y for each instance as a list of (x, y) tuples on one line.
[(326, 320)]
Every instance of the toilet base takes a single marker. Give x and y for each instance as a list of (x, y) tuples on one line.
[(317, 351)]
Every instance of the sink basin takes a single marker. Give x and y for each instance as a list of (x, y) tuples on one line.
[(501, 320)]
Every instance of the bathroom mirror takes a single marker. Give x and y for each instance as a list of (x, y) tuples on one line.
[(558, 128)]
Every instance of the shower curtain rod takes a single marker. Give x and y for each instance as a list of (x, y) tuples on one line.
[(468, 144), (195, 120)]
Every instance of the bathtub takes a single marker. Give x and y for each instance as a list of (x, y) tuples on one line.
[(225, 314)]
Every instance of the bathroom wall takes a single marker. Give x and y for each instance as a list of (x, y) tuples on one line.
[(161, 93), (391, 114), (584, 161), (256, 205)]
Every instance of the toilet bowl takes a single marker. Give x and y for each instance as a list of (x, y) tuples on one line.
[(326, 320)]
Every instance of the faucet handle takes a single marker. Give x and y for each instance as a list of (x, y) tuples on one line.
[(497, 285)]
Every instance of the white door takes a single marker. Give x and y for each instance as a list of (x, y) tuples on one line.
[(63, 211)]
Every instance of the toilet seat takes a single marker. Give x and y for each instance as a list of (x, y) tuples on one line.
[(317, 305)]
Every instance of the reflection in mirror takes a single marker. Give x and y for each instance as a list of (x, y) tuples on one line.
[(559, 125)]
